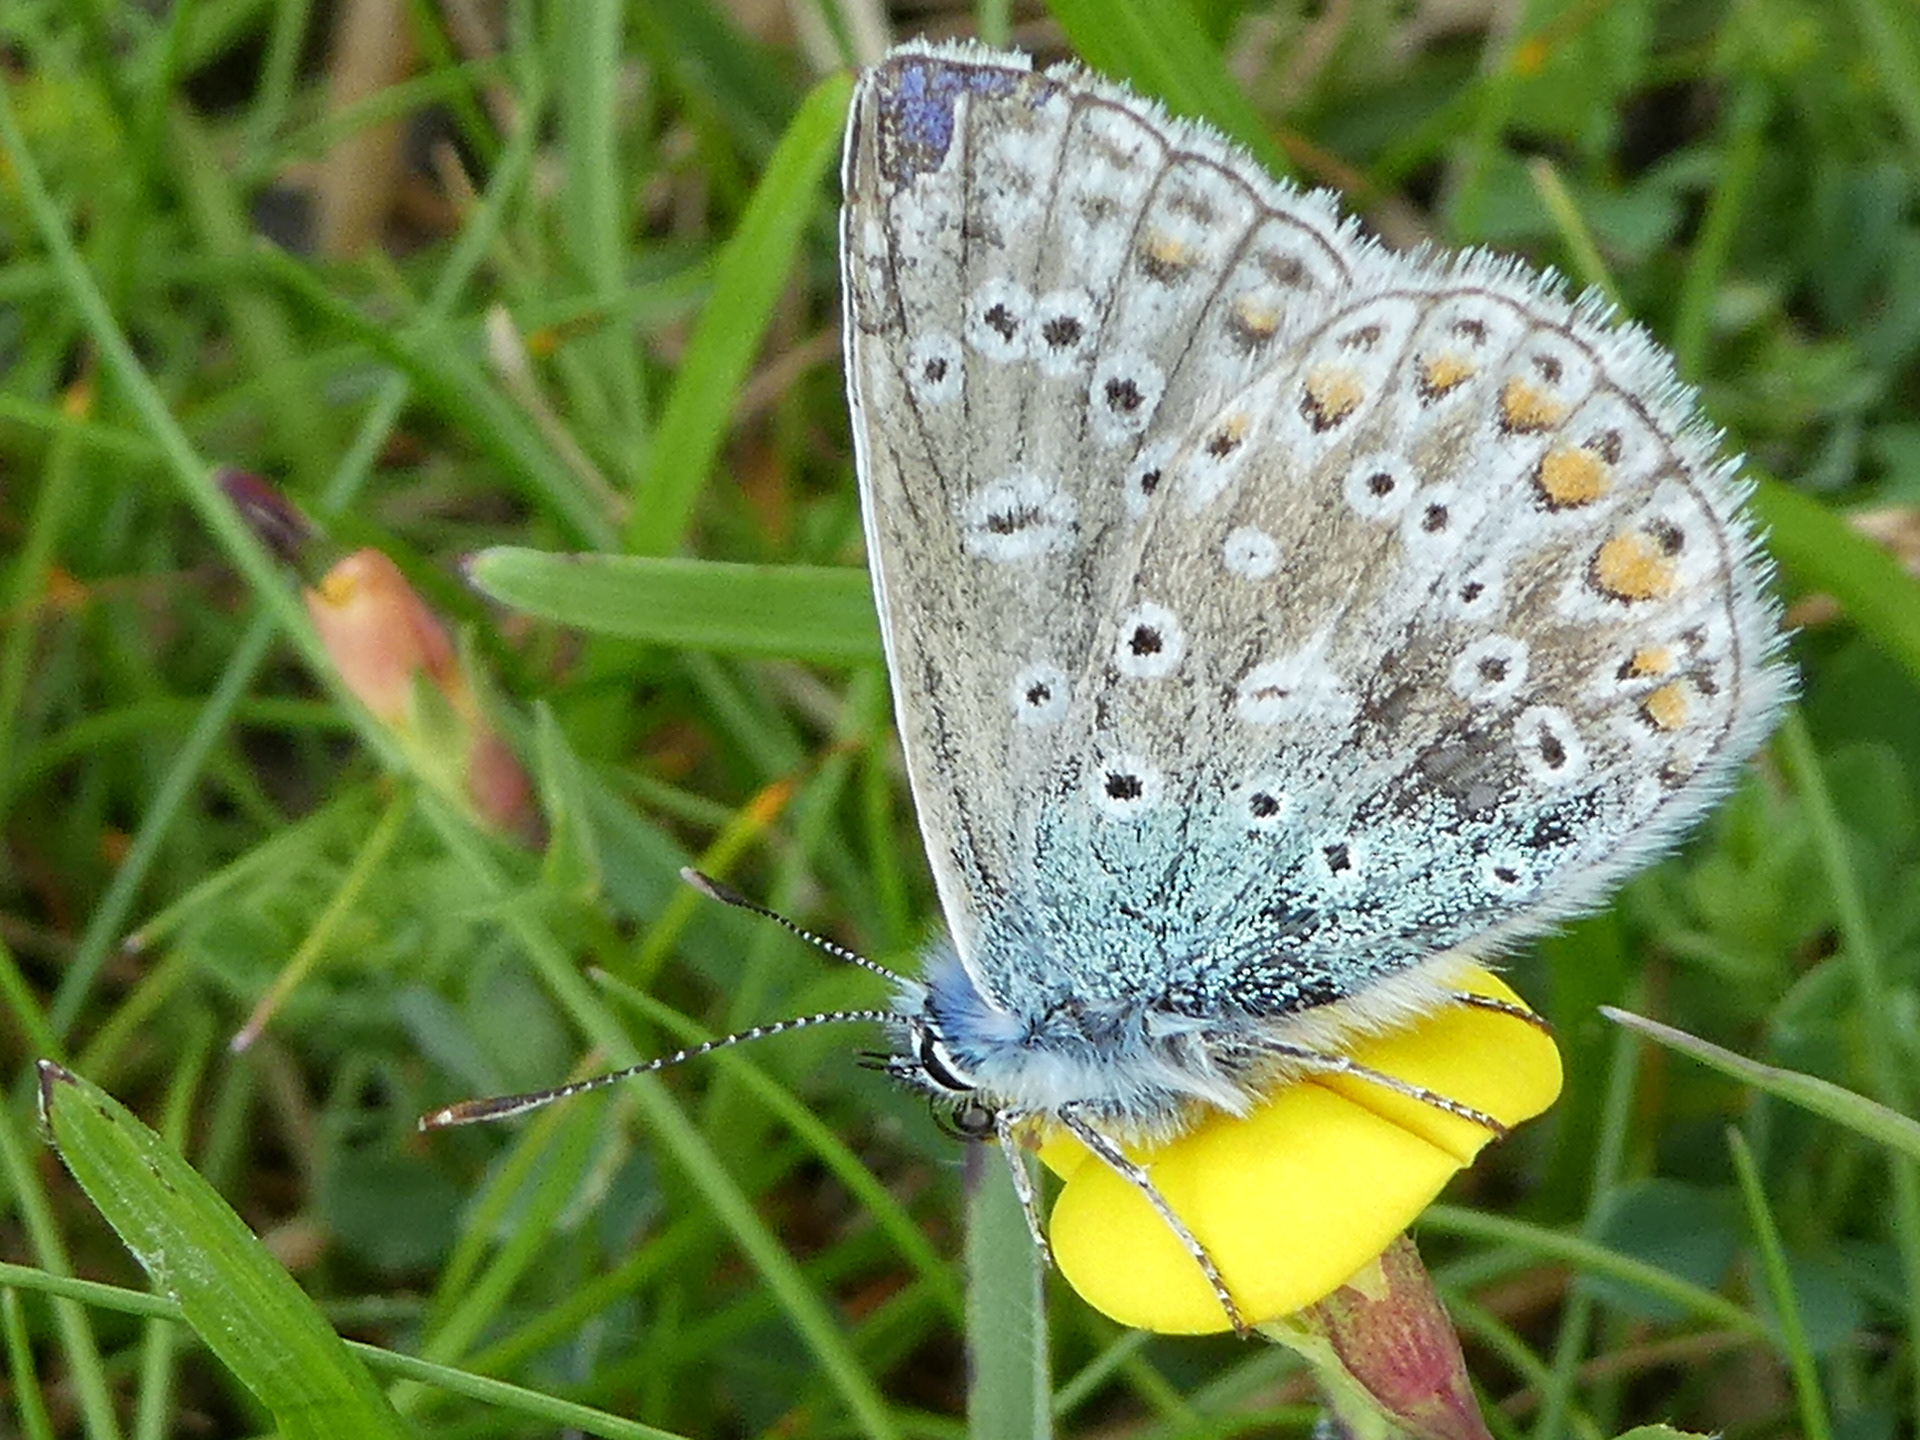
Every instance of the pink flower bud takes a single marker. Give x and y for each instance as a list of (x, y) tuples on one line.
[(380, 635), (395, 656), (1389, 1333)]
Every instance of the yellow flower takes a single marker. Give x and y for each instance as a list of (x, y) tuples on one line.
[(1294, 1199)]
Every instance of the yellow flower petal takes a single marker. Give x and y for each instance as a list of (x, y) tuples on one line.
[(1293, 1199)]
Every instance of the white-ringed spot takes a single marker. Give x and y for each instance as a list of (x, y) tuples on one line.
[(1017, 517), (1378, 487), (1147, 476), (1551, 750), (1126, 787), (1250, 553), (1489, 670), (936, 368), (1123, 395), (999, 320), (1476, 595), (1039, 694), (1150, 642), (1262, 804), (1064, 322)]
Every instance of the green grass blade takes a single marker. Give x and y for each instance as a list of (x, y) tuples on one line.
[(1817, 548), (802, 612), (752, 270), (247, 1309), (1866, 1118), (1008, 1391), (1793, 1333), (1163, 49)]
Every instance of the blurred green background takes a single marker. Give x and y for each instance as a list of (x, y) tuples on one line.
[(562, 276)]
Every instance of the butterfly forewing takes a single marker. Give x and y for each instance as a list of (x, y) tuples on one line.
[(1045, 278), (1267, 613)]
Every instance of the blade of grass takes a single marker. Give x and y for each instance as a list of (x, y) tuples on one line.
[(238, 1299), (22, 1381), (1589, 269), (1609, 1161), (159, 1341), (1807, 1393), (555, 1414), (1743, 148), (1161, 47), (1890, 33), (799, 612), (1009, 1396), (1856, 1112), (1819, 550), (589, 52), (1874, 1004), (33, 564), (751, 273), (1586, 1255)]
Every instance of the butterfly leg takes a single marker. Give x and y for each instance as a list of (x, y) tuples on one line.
[(1115, 1159), (1341, 1065), (1004, 1123), (1500, 1007)]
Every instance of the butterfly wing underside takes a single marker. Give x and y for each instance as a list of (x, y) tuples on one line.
[(1448, 619), (1014, 384), (1267, 613)]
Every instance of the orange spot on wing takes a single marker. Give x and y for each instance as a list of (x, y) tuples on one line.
[(1570, 477), (1333, 393), (1526, 409), (1442, 373), (1631, 566), (1669, 707)]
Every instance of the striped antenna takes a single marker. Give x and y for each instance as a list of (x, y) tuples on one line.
[(502, 1107), (714, 890)]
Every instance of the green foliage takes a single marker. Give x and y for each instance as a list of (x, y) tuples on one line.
[(617, 334)]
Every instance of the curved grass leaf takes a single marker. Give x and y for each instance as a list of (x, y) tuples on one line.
[(1866, 1118), (801, 612), (247, 1309), (1817, 548), (749, 277)]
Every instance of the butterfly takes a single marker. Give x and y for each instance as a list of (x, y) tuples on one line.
[(1275, 623)]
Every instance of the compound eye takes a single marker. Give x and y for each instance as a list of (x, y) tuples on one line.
[(939, 1065)]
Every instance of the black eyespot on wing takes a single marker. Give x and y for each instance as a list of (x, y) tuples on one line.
[(1062, 332)]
